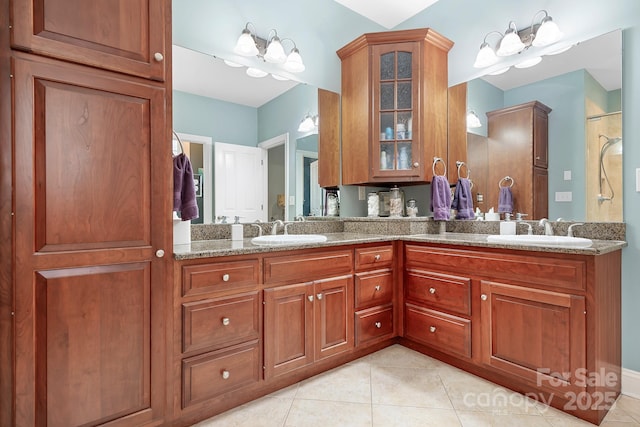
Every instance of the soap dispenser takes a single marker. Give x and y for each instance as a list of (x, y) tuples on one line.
[(237, 230), (507, 226)]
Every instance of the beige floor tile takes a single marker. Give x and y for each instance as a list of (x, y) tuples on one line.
[(403, 416), (629, 405), (286, 393), (264, 412), (318, 413), (567, 421), (486, 419), (408, 387), (402, 357), (347, 383)]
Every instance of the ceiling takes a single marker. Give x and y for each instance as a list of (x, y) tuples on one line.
[(192, 70)]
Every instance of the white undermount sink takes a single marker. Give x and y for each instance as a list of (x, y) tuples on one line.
[(540, 240), (288, 239)]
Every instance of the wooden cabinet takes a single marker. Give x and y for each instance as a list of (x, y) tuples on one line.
[(310, 318), (131, 38), (517, 147), (394, 106), (457, 131), (328, 139)]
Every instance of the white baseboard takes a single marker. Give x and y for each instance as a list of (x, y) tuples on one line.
[(631, 383)]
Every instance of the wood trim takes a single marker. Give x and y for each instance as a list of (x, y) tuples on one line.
[(414, 35)]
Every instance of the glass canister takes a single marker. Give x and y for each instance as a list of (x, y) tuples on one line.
[(333, 208), (412, 209), (395, 203), (373, 204)]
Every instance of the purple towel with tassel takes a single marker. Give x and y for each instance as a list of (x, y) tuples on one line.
[(463, 200), (505, 200), (440, 197), (184, 189)]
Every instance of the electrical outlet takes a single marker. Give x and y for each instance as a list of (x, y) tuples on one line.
[(638, 180), (567, 175), (292, 200), (564, 196), (361, 193)]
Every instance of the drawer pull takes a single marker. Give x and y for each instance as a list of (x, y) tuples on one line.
[(377, 257), (432, 290), (310, 298), (432, 329), (226, 321), (319, 296), (378, 287), (225, 277), (483, 297), (225, 374), (378, 325)]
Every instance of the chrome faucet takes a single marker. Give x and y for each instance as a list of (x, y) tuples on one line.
[(570, 230), (548, 230), (276, 223)]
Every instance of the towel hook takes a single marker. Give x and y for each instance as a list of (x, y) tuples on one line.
[(460, 164), (179, 142), (506, 178), (433, 167)]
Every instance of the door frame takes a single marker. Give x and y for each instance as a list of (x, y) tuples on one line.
[(207, 160), (276, 141)]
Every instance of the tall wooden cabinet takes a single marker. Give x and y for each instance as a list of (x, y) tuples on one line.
[(518, 144), (90, 206), (328, 139), (394, 106)]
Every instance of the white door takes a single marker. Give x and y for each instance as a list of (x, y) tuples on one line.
[(240, 182), (315, 191)]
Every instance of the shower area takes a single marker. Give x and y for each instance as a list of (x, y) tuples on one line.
[(604, 167)]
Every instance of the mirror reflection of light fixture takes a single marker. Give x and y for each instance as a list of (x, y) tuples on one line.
[(545, 33), (308, 124), (529, 62), (269, 50), (256, 72), (473, 121)]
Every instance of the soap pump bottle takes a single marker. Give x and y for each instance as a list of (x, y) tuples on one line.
[(507, 226), (237, 230)]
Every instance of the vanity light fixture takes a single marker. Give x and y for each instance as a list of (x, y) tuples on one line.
[(308, 124), (473, 121), (269, 50), (513, 41)]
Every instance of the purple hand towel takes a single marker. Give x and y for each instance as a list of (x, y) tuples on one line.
[(463, 200), (505, 200), (440, 197), (184, 189)]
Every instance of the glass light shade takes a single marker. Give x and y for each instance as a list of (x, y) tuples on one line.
[(307, 125), (529, 62), (547, 33), (275, 52), (246, 45), (473, 121), (281, 78), (499, 71), (510, 43), (233, 64), (294, 62), (256, 72), (486, 56)]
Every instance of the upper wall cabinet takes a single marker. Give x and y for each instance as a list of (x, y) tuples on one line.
[(328, 139), (394, 106), (94, 33)]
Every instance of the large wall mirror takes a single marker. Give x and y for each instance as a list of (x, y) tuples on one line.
[(583, 87)]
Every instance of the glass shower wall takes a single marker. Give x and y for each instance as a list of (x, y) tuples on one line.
[(604, 167)]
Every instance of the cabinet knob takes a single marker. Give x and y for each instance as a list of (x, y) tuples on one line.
[(159, 253), (416, 165), (226, 321), (483, 297), (432, 290), (225, 277), (537, 157), (319, 296), (377, 257), (310, 298), (378, 287), (225, 374), (378, 325), (158, 57), (432, 329)]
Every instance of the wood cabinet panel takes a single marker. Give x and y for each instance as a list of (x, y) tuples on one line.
[(122, 36), (216, 277), (374, 257), (220, 322), (373, 288), (333, 306), (303, 268), (447, 333), (328, 139), (457, 132), (373, 324), (442, 291), (212, 374)]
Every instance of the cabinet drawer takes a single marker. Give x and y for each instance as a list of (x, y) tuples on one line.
[(374, 288), (220, 322), (376, 322), (450, 334), (443, 291), (212, 374), (198, 279), (374, 257), (303, 268)]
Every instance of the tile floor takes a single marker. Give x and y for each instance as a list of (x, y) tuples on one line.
[(397, 386)]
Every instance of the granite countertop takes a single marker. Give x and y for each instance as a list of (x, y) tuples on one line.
[(224, 247)]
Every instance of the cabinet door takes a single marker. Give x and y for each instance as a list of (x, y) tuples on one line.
[(328, 139), (288, 328), (534, 334), (333, 309), (126, 36), (540, 138), (90, 214), (396, 116)]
